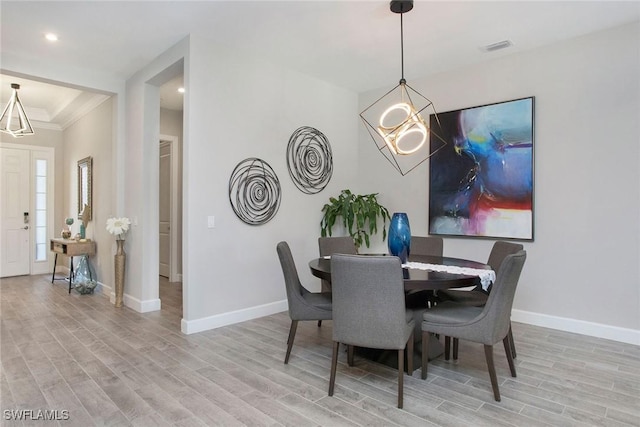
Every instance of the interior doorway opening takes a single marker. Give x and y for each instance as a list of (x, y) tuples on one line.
[(169, 206), (170, 287)]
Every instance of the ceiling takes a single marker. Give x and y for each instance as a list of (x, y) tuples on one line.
[(354, 44)]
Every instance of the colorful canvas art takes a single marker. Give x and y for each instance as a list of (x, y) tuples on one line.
[(481, 182)]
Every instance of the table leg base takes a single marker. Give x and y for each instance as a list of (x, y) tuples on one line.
[(390, 357)]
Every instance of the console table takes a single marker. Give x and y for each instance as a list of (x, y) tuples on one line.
[(70, 248)]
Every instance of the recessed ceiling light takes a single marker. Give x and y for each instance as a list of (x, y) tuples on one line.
[(51, 37), (181, 89)]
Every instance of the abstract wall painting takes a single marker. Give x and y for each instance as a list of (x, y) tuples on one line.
[(481, 182)]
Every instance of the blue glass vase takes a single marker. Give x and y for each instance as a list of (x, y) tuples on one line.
[(399, 238)]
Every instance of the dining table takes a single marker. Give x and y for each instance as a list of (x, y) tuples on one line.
[(416, 278), (421, 273)]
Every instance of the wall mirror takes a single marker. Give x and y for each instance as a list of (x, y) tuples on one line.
[(84, 186)]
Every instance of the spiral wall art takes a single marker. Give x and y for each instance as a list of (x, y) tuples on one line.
[(254, 191), (309, 160)]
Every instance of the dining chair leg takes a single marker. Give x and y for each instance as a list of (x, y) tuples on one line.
[(410, 346), (507, 350), (319, 323), (400, 376), (334, 364), (488, 353), (292, 334), (447, 347), (425, 353), (456, 341), (350, 351), (512, 342)]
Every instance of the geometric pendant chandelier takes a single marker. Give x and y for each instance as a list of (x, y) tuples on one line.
[(14, 120), (396, 121)]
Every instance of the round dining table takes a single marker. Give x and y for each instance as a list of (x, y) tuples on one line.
[(418, 279), (415, 280)]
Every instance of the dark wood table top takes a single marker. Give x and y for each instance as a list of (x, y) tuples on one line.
[(415, 279)]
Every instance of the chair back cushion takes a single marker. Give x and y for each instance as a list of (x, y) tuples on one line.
[(291, 278), (499, 251), (426, 245), (303, 305), (498, 307), (368, 301), (336, 245)]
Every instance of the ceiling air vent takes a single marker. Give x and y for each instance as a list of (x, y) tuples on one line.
[(497, 46)]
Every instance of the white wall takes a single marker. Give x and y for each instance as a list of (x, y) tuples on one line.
[(582, 271), (234, 108), (244, 108), (140, 170), (92, 135)]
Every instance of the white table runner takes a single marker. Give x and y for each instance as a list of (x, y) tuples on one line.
[(487, 277)]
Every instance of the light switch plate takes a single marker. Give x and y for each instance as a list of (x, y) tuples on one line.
[(211, 221)]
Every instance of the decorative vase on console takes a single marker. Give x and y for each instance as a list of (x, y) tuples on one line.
[(66, 232), (84, 215), (399, 238)]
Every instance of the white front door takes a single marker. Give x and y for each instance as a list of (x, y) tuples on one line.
[(14, 212)]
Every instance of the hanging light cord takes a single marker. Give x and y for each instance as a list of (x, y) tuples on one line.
[(402, 80)]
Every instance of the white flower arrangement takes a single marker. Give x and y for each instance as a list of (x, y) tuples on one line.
[(118, 227)]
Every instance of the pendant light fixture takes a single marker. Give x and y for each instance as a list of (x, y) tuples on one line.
[(14, 120), (395, 121)]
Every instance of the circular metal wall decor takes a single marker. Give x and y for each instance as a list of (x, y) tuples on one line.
[(254, 191), (309, 160)]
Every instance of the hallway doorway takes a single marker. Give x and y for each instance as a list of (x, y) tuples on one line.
[(169, 210), (170, 196)]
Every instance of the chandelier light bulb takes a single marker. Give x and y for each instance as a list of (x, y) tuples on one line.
[(399, 135)]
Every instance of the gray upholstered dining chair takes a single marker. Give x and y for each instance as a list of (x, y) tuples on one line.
[(369, 310), (485, 325), (335, 245), (426, 245), (303, 304), (478, 296)]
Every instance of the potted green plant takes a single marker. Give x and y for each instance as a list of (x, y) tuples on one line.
[(360, 214)]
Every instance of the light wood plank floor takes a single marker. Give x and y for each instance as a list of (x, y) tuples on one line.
[(109, 366)]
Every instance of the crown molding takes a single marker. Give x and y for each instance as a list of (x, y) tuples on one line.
[(93, 102)]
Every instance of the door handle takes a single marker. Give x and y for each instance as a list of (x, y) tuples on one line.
[(26, 227)]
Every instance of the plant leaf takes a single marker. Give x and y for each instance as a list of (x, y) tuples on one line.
[(356, 210)]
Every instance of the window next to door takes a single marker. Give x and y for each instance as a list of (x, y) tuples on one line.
[(42, 210), (40, 220)]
